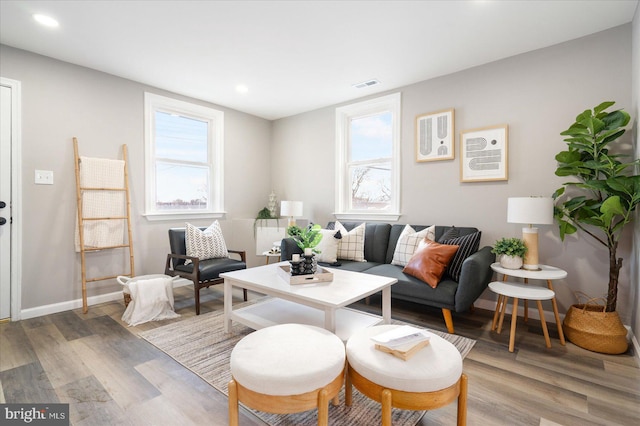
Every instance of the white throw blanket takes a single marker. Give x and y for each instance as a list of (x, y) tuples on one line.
[(102, 173), (151, 300)]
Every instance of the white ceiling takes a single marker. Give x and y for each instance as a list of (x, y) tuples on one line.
[(296, 56)]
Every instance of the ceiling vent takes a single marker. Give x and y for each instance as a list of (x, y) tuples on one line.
[(367, 83)]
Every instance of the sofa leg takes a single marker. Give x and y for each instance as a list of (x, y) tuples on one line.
[(244, 293), (448, 320)]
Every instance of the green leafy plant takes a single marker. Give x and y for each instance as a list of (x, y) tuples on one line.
[(307, 237), (510, 247), (601, 200)]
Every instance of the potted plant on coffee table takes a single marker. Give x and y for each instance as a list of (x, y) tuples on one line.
[(599, 202), (510, 252), (307, 239)]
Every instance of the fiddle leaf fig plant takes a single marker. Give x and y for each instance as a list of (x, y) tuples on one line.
[(307, 237), (605, 192)]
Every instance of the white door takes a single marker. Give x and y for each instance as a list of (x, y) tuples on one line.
[(5, 202)]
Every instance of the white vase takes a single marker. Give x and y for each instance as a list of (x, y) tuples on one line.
[(510, 262)]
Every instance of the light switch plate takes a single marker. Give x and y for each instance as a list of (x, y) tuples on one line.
[(44, 177)]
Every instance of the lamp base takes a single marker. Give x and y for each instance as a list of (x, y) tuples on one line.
[(530, 238)]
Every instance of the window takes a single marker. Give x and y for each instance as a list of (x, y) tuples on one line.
[(183, 162), (368, 159)]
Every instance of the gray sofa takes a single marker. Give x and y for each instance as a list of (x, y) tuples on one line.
[(379, 247)]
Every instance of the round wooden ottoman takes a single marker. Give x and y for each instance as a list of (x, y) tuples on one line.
[(431, 379), (286, 368)]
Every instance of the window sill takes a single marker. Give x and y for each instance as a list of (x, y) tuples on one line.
[(153, 217), (382, 217)]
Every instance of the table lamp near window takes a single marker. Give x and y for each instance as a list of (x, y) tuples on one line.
[(292, 209), (532, 211)]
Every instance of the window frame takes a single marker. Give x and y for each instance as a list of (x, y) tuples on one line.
[(215, 139), (344, 115)]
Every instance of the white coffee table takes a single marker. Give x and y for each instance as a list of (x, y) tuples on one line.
[(322, 304)]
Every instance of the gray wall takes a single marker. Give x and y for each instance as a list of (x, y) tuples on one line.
[(60, 101), (538, 95)]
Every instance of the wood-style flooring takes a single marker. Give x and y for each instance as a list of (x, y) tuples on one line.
[(110, 376)]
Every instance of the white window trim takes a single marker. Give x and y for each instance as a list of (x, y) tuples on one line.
[(153, 103), (343, 192)]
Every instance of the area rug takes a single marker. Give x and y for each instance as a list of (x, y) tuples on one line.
[(201, 345)]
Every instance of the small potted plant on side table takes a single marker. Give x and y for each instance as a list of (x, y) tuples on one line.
[(510, 252)]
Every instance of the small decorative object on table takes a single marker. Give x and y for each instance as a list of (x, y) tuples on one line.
[(511, 251), (307, 239)]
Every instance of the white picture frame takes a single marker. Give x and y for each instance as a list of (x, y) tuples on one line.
[(435, 136), (484, 154)]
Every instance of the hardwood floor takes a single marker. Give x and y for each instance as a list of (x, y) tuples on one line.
[(110, 376)]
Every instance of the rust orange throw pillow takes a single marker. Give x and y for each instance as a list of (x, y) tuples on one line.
[(430, 261)]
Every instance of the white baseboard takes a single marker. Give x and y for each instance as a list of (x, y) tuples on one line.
[(76, 304)]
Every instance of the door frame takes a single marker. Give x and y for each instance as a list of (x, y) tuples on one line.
[(16, 195)]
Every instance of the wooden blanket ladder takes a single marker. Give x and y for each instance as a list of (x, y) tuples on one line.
[(81, 219)]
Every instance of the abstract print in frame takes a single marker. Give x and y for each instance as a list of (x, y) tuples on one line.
[(435, 138), (483, 154)]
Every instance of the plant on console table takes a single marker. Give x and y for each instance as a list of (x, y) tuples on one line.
[(601, 200), (511, 252), (307, 239)]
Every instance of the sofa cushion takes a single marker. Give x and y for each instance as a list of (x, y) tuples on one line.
[(351, 246), (352, 265), (468, 244), (412, 289), (408, 243), (430, 262), (328, 246), (376, 240)]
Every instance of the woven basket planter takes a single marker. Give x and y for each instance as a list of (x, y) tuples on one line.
[(591, 328)]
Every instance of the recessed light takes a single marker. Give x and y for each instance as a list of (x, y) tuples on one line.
[(241, 88), (45, 20), (367, 83)]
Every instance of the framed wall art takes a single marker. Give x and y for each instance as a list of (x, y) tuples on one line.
[(435, 137), (484, 154)]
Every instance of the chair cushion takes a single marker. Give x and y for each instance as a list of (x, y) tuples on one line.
[(435, 367), (287, 359), (212, 268)]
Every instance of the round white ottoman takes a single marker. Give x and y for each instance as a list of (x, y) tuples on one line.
[(431, 379), (286, 368)]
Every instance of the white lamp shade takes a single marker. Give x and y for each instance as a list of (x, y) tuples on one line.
[(530, 210), (291, 208)]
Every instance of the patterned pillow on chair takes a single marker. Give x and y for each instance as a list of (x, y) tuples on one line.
[(207, 244)]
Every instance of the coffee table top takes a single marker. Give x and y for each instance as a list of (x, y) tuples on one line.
[(347, 287)]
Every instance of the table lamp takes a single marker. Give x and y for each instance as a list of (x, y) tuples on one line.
[(292, 209), (532, 211)]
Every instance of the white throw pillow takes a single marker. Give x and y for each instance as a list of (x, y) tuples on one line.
[(408, 243), (207, 244), (328, 246), (351, 245)]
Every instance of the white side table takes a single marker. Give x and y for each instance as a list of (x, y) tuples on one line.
[(269, 254), (517, 291), (546, 272)]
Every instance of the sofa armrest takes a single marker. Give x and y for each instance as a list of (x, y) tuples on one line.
[(289, 247), (474, 278)]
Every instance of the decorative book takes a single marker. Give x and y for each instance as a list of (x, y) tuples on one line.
[(402, 342)]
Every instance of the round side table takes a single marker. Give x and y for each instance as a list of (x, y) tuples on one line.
[(546, 272)]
